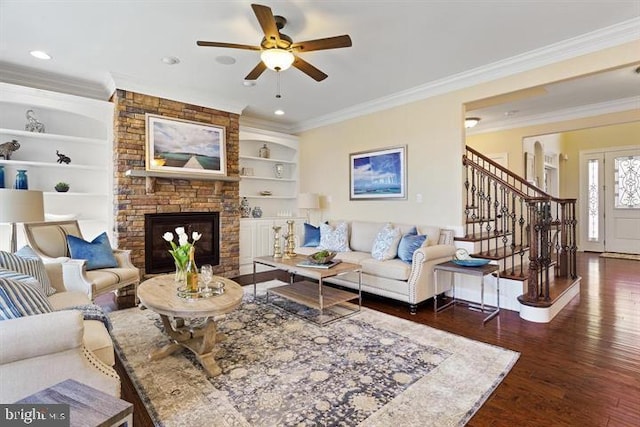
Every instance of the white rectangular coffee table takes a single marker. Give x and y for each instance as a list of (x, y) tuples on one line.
[(311, 294)]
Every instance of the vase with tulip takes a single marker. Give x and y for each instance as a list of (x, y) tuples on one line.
[(180, 251)]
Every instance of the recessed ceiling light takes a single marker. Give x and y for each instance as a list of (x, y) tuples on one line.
[(279, 113), (170, 60), (249, 83), (40, 54), (470, 122), (225, 60)]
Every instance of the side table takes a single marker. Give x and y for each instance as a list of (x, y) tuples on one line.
[(88, 407), (480, 271)]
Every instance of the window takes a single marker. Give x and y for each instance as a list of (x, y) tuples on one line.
[(627, 182), (594, 201)]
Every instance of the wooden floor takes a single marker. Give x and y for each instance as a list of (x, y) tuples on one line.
[(582, 369)]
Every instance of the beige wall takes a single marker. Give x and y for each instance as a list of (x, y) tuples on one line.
[(433, 131)]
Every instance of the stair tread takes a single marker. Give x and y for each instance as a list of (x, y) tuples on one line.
[(557, 287), (500, 253), (476, 237)]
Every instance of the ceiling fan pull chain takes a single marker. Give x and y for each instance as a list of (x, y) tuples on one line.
[(278, 85)]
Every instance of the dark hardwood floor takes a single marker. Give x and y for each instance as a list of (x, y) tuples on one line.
[(582, 369)]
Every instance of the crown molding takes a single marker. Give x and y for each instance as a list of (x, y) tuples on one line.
[(594, 41), (591, 110), (29, 77), (257, 123)]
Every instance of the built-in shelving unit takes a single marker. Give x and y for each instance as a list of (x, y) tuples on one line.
[(258, 174), (80, 128)]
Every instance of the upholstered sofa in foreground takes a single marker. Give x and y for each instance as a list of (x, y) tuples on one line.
[(41, 350), (410, 282)]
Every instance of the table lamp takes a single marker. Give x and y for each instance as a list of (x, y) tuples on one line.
[(20, 206), (308, 201)]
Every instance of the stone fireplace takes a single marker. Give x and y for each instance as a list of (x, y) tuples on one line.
[(134, 199), (157, 258)]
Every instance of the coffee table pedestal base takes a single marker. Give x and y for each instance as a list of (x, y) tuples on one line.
[(199, 340)]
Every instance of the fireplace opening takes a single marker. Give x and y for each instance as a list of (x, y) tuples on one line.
[(156, 250)]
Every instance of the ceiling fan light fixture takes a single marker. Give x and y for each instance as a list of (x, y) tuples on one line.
[(470, 122), (277, 59)]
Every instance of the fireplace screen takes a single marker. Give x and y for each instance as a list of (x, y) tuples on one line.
[(156, 249)]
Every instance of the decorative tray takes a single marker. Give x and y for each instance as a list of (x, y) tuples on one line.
[(201, 293), (471, 262)]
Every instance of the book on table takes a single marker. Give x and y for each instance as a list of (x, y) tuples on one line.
[(307, 263)]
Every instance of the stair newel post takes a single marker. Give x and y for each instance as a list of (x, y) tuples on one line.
[(497, 218), (467, 186), (514, 235), (481, 216), (574, 242), (564, 236), (546, 244), (524, 232), (532, 280)]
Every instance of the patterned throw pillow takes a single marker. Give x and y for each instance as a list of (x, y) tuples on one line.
[(18, 299), (408, 245), (385, 246), (18, 277), (98, 252), (334, 239), (26, 261)]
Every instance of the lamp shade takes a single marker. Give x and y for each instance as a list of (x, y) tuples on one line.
[(21, 205), (309, 201), (277, 59)]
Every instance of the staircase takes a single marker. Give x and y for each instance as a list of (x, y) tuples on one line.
[(529, 233)]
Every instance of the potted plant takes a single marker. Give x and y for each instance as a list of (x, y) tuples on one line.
[(62, 187)]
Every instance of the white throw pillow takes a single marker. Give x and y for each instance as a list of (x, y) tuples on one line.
[(385, 246), (334, 239)]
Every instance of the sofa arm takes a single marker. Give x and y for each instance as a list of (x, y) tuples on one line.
[(31, 336), (421, 281)]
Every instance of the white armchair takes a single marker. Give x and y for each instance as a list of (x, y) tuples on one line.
[(49, 241)]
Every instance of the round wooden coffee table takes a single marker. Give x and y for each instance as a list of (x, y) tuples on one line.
[(189, 323)]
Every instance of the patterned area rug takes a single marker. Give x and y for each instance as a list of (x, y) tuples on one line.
[(620, 256), (370, 369)]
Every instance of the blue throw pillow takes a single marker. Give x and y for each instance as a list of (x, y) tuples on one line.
[(311, 235), (98, 253), (18, 299), (408, 244)]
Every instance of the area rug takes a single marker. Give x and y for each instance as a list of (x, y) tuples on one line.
[(370, 369), (620, 256)]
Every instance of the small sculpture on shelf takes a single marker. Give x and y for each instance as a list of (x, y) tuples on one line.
[(33, 125), (62, 158), (62, 187), (264, 152), (257, 212), (279, 170), (8, 148)]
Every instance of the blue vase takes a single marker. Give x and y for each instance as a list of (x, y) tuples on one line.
[(21, 180), (1, 176)]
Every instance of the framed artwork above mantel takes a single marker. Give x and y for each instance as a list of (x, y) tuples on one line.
[(176, 146)]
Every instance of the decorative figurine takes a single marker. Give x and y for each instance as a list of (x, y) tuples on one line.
[(264, 152), (62, 187), (62, 158), (8, 148), (33, 125), (277, 252), (245, 209)]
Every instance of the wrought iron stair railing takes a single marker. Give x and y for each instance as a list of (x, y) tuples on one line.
[(529, 231)]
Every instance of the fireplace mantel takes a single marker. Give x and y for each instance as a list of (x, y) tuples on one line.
[(151, 176)]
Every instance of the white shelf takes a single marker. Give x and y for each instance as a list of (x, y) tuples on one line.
[(52, 165), (73, 194), (262, 159), (51, 136), (265, 178)]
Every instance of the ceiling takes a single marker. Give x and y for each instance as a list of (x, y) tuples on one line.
[(398, 48)]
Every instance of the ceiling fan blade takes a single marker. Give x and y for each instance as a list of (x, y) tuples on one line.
[(321, 44), (229, 45), (309, 69), (267, 22), (256, 72)]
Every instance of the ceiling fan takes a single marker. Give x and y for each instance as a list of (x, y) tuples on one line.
[(278, 51)]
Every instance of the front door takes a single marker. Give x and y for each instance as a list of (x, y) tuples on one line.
[(610, 200), (622, 204)]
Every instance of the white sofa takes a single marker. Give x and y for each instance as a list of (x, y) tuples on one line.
[(411, 283), (41, 350)]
